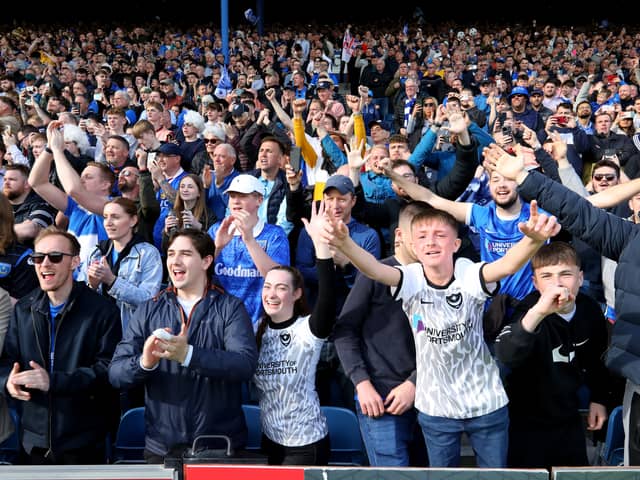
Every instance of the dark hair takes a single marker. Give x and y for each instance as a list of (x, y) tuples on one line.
[(201, 241), (554, 253), (200, 208), (270, 138), (53, 230), (19, 167), (605, 162), (128, 205), (300, 307), (398, 138), (106, 173), (401, 162)]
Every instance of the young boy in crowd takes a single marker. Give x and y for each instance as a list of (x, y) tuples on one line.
[(555, 344), (458, 386)]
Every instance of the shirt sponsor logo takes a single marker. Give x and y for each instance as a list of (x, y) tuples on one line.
[(237, 271)]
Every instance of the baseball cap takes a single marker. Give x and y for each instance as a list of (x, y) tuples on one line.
[(169, 149), (239, 110), (536, 91), (29, 76), (626, 115), (246, 184), (519, 91), (106, 66), (207, 99), (166, 81), (146, 90), (341, 183), (325, 84), (485, 82)]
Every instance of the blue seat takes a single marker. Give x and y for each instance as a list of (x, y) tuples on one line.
[(252, 419), (613, 451), (10, 447), (129, 444), (347, 447)]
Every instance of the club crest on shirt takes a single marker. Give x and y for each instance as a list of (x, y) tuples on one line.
[(285, 339), (454, 300)]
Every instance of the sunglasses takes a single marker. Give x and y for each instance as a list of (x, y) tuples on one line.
[(127, 173), (609, 177), (211, 140), (37, 258), (429, 104)]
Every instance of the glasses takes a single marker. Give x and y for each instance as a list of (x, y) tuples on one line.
[(127, 173), (37, 258), (609, 177), (429, 104), (211, 140)]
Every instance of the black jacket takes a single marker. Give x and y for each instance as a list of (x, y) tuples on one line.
[(548, 366), (76, 410), (613, 237)]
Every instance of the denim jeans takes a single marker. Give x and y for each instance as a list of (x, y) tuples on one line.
[(387, 438), (488, 434)]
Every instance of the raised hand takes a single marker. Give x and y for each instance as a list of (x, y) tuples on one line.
[(509, 166), (539, 227), (354, 155)]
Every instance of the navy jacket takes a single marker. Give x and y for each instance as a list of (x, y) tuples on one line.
[(204, 398), (76, 411)]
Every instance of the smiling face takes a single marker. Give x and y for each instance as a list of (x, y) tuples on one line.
[(187, 269), (434, 242), (188, 189), (503, 191), (117, 223), (279, 295), (54, 276)]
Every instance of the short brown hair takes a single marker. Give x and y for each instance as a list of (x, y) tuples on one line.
[(53, 230), (554, 253), (435, 214)]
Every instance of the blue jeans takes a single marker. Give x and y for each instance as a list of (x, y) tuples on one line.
[(387, 438), (488, 434)]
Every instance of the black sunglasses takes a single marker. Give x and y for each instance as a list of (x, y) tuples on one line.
[(211, 140), (609, 177), (37, 258)]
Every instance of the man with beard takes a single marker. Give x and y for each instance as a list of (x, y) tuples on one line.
[(30, 211), (496, 223)]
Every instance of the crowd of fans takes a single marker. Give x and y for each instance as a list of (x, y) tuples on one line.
[(188, 229)]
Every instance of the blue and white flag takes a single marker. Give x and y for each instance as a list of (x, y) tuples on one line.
[(224, 86)]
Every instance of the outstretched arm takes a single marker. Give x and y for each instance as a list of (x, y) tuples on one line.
[(616, 194), (416, 191), (336, 234)]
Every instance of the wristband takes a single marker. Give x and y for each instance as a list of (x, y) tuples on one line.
[(48, 150)]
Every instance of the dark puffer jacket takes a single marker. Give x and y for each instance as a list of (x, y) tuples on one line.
[(613, 237)]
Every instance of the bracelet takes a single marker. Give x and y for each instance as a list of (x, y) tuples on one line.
[(48, 150)]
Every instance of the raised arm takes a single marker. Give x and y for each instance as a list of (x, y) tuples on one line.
[(68, 176), (416, 191), (336, 234), (616, 194), (283, 116), (39, 181)]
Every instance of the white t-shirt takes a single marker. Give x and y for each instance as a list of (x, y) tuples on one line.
[(286, 373), (456, 375)]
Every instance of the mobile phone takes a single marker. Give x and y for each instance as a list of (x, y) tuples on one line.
[(562, 120), (294, 158), (97, 97)]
